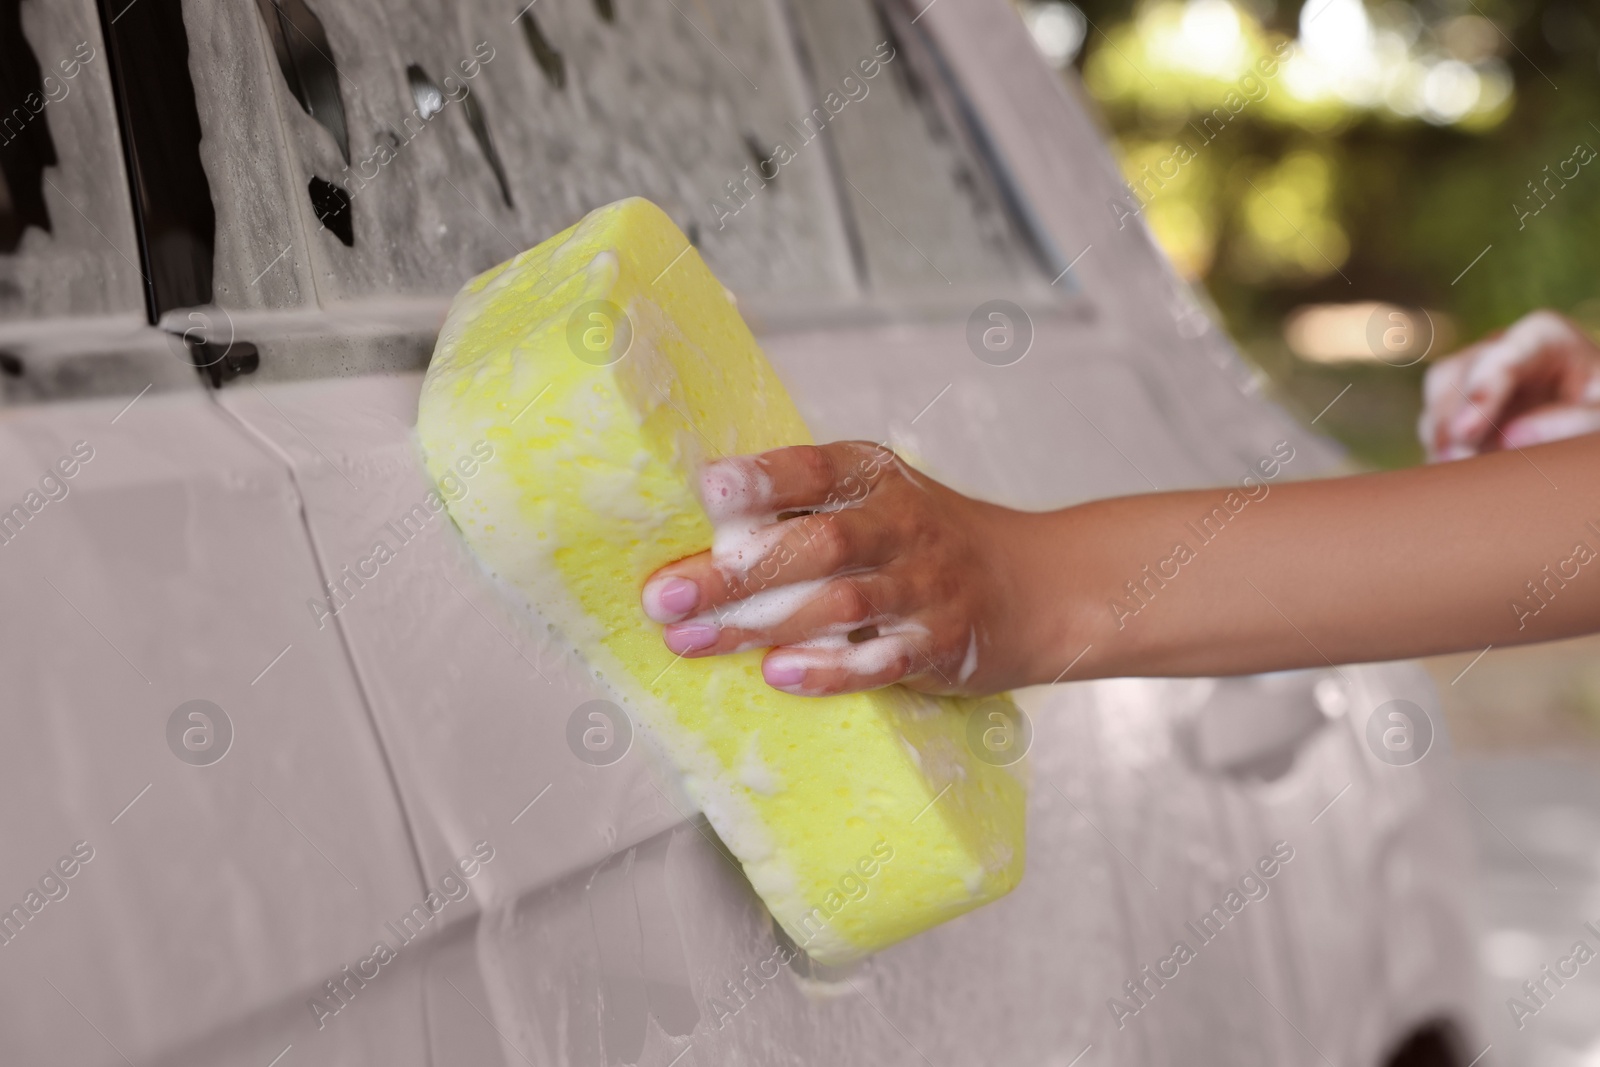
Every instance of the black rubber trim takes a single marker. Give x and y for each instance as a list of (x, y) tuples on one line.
[(147, 49)]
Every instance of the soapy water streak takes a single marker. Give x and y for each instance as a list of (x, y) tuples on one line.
[(854, 885), (339, 991), (55, 91), (410, 525), (739, 193), (429, 106), (1252, 887)]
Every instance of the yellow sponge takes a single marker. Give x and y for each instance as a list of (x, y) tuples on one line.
[(604, 366)]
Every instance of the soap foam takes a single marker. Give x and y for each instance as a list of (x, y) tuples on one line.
[(767, 609), (737, 545), (754, 773), (863, 659), (733, 487), (746, 532), (969, 663)]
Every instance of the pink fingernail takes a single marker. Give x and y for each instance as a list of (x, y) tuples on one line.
[(1466, 422), (782, 672), (1516, 436), (670, 599), (690, 637)]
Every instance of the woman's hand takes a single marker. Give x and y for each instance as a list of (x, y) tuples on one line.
[(855, 570), (1535, 382)]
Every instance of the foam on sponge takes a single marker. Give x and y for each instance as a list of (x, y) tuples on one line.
[(604, 366)]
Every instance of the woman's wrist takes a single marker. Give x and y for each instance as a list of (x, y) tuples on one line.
[(1044, 606)]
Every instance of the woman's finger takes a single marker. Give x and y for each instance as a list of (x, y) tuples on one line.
[(842, 609), (1549, 424), (1524, 364), (677, 591), (1441, 399), (798, 478), (798, 550), (826, 669)]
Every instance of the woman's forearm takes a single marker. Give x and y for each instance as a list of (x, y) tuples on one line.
[(857, 571), (1493, 550)]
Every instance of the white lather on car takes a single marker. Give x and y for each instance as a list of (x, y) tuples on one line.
[(268, 805)]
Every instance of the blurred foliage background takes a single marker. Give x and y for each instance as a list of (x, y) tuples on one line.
[(1302, 161)]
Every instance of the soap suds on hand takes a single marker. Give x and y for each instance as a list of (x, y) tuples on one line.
[(863, 659), (969, 663), (768, 608)]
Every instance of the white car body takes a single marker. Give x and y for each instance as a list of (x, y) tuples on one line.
[(373, 748)]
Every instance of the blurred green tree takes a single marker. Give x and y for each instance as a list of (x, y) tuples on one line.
[(1438, 154)]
